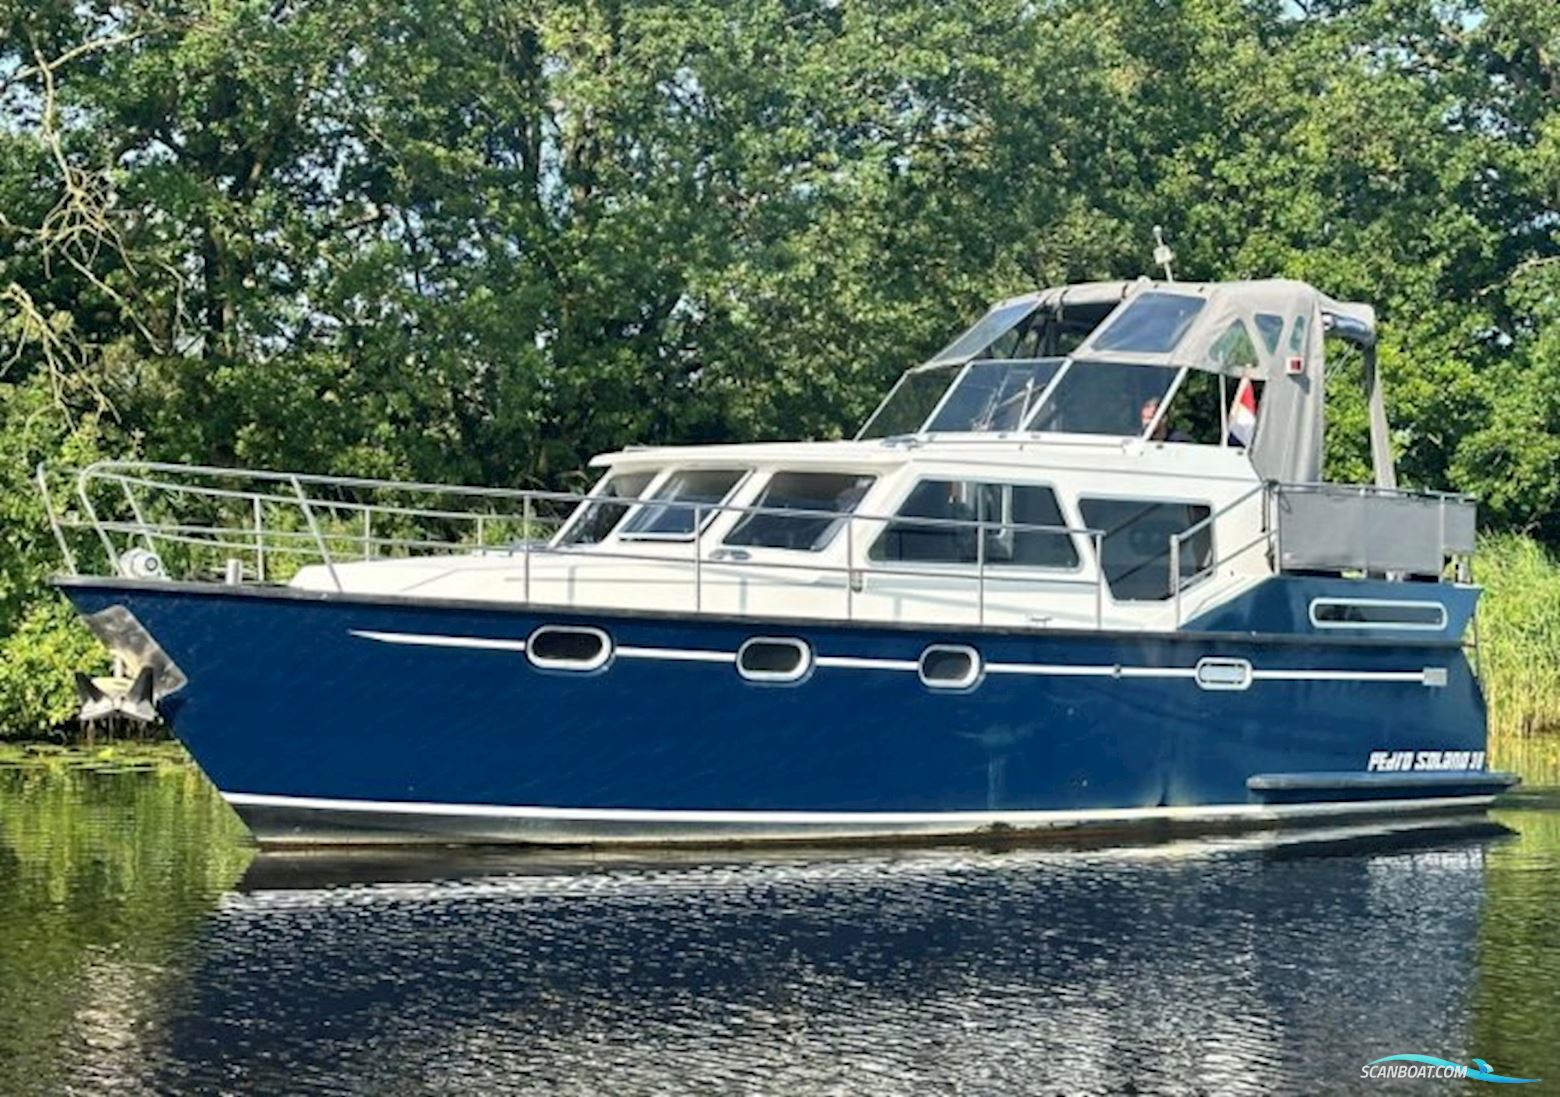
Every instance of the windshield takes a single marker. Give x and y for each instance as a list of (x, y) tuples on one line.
[(1105, 398), (910, 401), (995, 376), (995, 394)]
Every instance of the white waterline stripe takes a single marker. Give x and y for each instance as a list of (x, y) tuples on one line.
[(429, 640), (1340, 675), (688, 655), (1068, 670), (861, 662), (847, 818)]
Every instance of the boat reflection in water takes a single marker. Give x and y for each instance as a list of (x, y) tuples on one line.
[(1280, 961)]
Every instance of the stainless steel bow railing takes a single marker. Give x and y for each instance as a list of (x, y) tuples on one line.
[(261, 526)]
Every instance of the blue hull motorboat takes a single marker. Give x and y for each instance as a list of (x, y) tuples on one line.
[(1079, 572)]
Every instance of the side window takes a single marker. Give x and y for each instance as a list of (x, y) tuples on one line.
[(1297, 334), (924, 529), (1272, 328), (1136, 545), (669, 512), (1233, 349), (817, 494), (599, 515)]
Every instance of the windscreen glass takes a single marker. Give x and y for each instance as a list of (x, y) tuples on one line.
[(1105, 398), (995, 395), (912, 400)]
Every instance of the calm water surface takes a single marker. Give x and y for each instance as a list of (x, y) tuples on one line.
[(144, 947)]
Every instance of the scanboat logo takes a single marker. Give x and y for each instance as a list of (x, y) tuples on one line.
[(1428, 1066)]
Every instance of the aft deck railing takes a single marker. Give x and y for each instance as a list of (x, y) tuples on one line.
[(152, 519)]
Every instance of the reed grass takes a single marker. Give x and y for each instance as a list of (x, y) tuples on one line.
[(1519, 645)]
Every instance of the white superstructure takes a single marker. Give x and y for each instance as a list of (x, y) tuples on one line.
[(892, 558), (1067, 462)]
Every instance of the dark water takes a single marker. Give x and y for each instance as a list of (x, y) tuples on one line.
[(144, 947)]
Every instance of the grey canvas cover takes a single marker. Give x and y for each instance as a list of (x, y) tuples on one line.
[(1280, 325), (1338, 528)]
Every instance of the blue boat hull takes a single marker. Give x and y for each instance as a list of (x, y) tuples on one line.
[(338, 718)]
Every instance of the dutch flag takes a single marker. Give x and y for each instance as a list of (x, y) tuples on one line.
[(1243, 414)]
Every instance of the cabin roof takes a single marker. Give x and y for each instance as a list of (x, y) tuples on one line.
[(972, 450)]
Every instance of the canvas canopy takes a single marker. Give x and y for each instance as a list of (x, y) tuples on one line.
[(1138, 337)]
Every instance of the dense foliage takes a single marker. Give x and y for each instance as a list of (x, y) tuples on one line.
[(482, 240)]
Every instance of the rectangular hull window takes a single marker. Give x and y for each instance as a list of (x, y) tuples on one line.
[(1136, 544), (1371, 613), (935, 525), (815, 496)]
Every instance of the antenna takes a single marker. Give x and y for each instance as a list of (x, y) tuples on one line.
[(1162, 253)]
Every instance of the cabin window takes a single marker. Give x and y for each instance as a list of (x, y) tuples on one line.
[(1152, 323), (1103, 398), (949, 666), (668, 514), (568, 647), (1135, 546), (1376, 613), (995, 395), (774, 659), (936, 524), (817, 497), (599, 515)]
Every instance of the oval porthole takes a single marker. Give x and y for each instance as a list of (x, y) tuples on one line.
[(568, 647), (774, 659), (950, 666), (1231, 674)]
